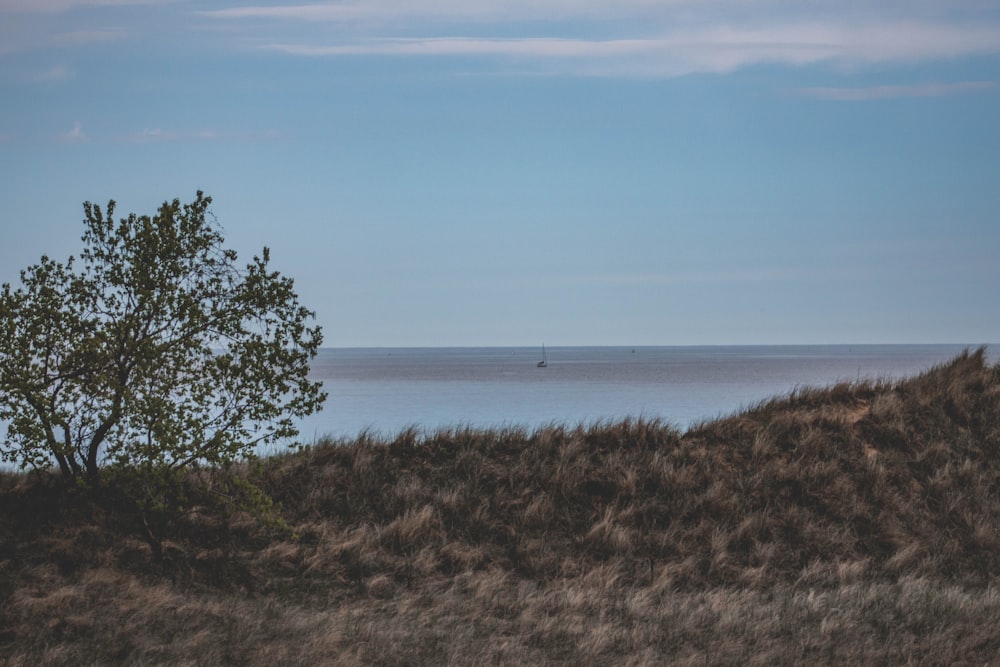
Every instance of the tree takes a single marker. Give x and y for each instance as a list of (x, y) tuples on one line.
[(157, 350)]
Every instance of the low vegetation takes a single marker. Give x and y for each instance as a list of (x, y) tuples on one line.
[(855, 524)]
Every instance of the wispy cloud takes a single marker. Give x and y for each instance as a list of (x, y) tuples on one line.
[(575, 37), (35, 37), (50, 75), (54, 6), (76, 135), (159, 135), (29, 25), (444, 46), (712, 49), (662, 12), (54, 74), (447, 10), (96, 36), (893, 92)]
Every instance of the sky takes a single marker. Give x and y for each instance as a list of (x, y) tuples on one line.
[(514, 172)]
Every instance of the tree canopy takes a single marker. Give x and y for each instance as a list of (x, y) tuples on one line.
[(153, 347)]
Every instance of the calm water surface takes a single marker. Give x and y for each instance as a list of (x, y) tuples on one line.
[(387, 390)]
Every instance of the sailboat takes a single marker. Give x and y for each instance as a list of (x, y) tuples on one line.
[(544, 362)]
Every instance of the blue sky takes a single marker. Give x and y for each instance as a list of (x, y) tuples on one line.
[(511, 172)]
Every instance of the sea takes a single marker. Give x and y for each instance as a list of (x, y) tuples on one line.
[(386, 390)]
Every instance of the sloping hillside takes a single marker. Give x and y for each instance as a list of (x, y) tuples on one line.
[(855, 523)]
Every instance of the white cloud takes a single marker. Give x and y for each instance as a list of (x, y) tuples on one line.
[(689, 12), (77, 37), (54, 6), (893, 92), (29, 25), (54, 74), (76, 135), (578, 37), (443, 46), (149, 136), (159, 135), (449, 10), (12, 41), (713, 49)]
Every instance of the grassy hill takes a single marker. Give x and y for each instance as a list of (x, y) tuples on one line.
[(853, 524)]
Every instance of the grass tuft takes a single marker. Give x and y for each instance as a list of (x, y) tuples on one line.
[(844, 525)]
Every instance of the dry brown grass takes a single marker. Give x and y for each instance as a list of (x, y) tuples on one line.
[(848, 525)]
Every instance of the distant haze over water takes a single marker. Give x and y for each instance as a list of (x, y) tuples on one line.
[(389, 389)]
